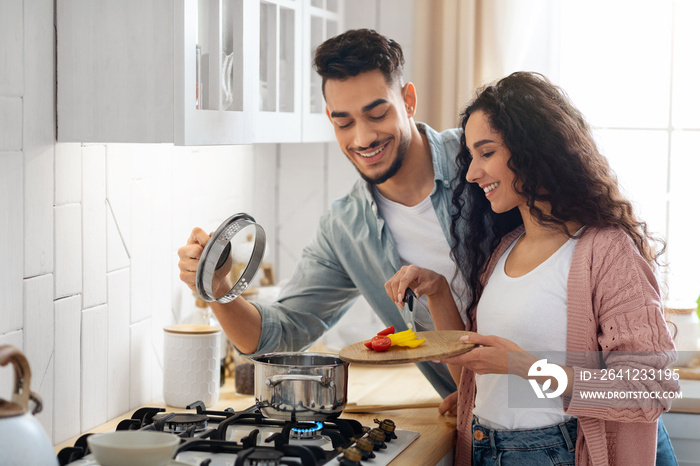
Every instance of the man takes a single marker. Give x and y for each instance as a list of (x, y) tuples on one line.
[(399, 214)]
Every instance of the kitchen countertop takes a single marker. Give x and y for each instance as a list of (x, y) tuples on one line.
[(690, 403), (368, 386), (386, 385)]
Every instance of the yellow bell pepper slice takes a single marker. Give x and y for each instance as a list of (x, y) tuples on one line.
[(406, 335), (412, 343)]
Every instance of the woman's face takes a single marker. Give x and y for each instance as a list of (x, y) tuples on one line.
[(489, 167)]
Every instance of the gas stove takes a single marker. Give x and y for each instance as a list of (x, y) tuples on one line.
[(247, 438)]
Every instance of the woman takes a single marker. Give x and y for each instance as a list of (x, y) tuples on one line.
[(558, 263)]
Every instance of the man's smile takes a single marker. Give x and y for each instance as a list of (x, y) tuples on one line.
[(372, 152)]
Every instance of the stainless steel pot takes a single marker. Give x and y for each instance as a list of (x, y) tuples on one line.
[(300, 386)]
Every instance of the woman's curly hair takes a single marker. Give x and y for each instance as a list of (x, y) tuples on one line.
[(554, 159)]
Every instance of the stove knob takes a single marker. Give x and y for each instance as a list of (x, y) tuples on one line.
[(377, 436), (351, 456), (365, 445), (388, 426)]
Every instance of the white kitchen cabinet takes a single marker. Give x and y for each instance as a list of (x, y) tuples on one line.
[(191, 72), (214, 74), (322, 19), (277, 114)]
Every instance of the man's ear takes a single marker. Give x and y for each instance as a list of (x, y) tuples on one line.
[(328, 114), (410, 98)]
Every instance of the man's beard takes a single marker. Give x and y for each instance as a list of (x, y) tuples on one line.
[(393, 169)]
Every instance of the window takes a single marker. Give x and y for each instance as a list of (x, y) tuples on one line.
[(632, 67)]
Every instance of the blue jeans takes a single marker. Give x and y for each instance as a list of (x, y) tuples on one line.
[(552, 449), (665, 456), (524, 447)]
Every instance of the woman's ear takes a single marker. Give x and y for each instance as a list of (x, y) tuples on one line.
[(410, 98)]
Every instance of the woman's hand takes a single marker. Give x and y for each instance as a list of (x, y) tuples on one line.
[(434, 286), (494, 355), (421, 281)]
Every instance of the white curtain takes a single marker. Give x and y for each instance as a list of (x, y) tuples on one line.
[(463, 44)]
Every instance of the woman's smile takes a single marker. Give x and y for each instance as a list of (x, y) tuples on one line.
[(490, 187)]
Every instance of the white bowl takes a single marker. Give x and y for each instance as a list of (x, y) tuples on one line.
[(133, 448)]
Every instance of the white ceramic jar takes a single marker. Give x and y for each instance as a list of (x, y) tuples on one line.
[(191, 366)]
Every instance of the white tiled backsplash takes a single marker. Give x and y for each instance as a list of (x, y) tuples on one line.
[(89, 234)]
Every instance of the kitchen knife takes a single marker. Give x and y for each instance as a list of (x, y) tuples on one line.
[(413, 302)]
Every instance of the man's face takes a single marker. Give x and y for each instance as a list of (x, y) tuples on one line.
[(371, 123)]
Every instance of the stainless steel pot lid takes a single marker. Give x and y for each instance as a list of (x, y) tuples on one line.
[(218, 277)]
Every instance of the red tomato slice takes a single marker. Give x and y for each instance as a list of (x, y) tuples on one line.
[(380, 343), (387, 331), (368, 344)]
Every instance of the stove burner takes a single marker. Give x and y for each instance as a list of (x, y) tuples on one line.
[(259, 457), (306, 430), (180, 422), (245, 434)]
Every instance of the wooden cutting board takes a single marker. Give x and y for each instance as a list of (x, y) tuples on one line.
[(438, 344)]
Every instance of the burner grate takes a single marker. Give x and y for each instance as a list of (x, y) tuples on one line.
[(255, 439), (180, 422)]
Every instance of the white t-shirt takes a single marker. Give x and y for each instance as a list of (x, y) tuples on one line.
[(531, 311), (420, 240)]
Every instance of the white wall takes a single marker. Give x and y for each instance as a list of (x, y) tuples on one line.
[(88, 238), (89, 232)]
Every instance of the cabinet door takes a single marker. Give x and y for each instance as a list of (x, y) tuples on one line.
[(277, 116), (322, 19), (114, 71), (214, 72)]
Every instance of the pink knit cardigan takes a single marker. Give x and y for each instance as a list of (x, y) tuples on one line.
[(613, 305)]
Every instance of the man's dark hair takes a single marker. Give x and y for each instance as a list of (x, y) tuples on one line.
[(356, 51)]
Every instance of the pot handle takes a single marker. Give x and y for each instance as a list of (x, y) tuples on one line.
[(326, 382), (23, 375)]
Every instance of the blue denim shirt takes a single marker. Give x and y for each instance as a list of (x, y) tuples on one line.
[(353, 253)]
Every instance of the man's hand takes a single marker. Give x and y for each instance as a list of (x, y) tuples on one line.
[(189, 256), (449, 405)]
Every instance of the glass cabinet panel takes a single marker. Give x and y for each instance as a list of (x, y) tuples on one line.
[(330, 5), (213, 71), (321, 29), (287, 57), (219, 55), (233, 56), (277, 58), (278, 94), (268, 57)]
